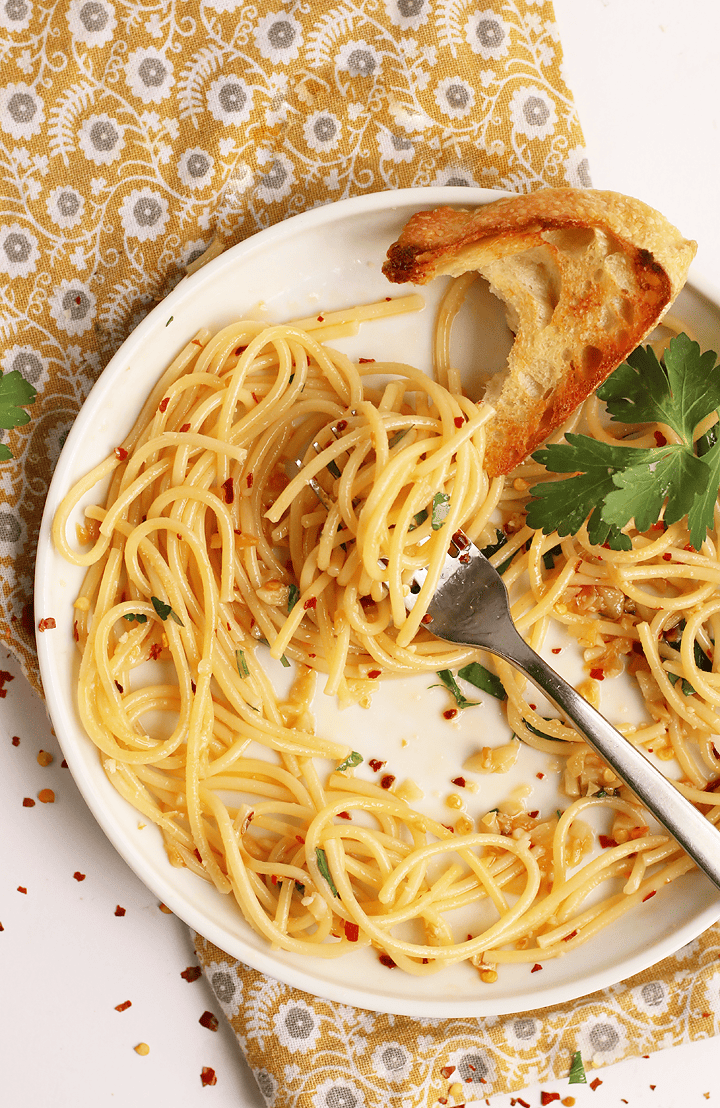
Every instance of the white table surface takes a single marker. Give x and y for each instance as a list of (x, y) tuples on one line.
[(645, 74)]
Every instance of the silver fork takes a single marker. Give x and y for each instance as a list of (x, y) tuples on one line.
[(470, 607)]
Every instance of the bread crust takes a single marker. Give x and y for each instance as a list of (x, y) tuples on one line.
[(585, 274)]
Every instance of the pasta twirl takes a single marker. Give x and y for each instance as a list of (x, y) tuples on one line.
[(211, 539)]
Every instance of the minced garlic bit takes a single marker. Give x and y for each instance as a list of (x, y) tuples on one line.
[(488, 976), (408, 790), (464, 826), (164, 908), (456, 1089), (590, 689), (142, 1048), (454, 801), (82, 604), (493, 759)]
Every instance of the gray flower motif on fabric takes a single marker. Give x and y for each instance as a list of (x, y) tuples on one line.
[(22, 112), (359, 59), (488, 35), (278, 37), (408, 15), (91, 22), (19, 251), (522, 1032), (196, 168), (392, 1061), (338, 1093), (72, 306), (143, 214), (652, 997), (267, 1085), (26, 361), (605, 1037), (226, 985), (65, 206), (395, 146), (277, 179), (577, 168), (532, 112), (322, 131), (12, 532), (15, 15), (455, 97), (297, 1026), (149, 75), (101, 139), (455, 175), (230, 100)]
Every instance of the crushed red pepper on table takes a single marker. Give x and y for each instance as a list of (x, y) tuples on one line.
[(597, 1082), (124, 1006), (208, 1020), (191, 973), (4, 678), (78, 875), (119, 911), (208, 1076)]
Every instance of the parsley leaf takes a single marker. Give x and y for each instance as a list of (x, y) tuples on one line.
[(15, 393), (353, 759), (242, 666), (325, 869), (452, 686), (440, 509), (577, 1070), (293, 597), (165, 611), (483, 679), (614, 484)]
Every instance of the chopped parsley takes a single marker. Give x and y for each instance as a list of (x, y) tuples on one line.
[(293, 597), (452, 686), (483, 679), (440, 509), (325, 869), (352, 760), (15, 394), (242, 665), (165, 611), (577, 1070)]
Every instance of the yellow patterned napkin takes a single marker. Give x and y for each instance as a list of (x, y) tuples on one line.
[(132, 137)]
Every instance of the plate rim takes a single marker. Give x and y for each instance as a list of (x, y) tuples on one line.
[(261, 960)]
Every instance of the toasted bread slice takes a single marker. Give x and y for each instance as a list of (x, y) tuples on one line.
[(585, 276)]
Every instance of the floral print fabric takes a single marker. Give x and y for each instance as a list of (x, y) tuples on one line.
[(133, 134), (312, 1053)]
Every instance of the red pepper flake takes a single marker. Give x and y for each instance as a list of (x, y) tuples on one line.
[(121, 453), (535, 814), (450, 713), (386, 960), (365, 361), (659, 438), (207, 1019), (239, 351), (164, 403), (459, 421), (192, 973), (659, 526), (705, 1015), (119, 911), (119, 687), (185, 427), (300, 839), (341, 425), (447, 1071), (78, 875), (449, 827), (533, 706), (22, 889), (311, 602), (198, 855), (1, 927), (321, 319), (650, 894), (524, 1103), (566, 938), (164, 908), (193, 686), (155, 651), (344, 815), (376, 764), (548, 1098), (536, 967), (46, 796), (597, 1082), (667, 557), (207, 1076), (76, 633), (540, 776), (387, 780), (124, 1006), (460, 781), (28, 802), (606, 841), (228, 490), (15, 740), (373, 674), (47, 624), (352, 932), (427, 618), (442, 1100), (556, 650), (652, 1086), (597, 674)]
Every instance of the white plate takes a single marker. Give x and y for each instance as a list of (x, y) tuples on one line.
[(330, 258)]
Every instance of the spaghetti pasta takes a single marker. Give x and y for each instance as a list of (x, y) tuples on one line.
[(210, 539)]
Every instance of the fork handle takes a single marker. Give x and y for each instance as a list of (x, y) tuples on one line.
[(695, 834)]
